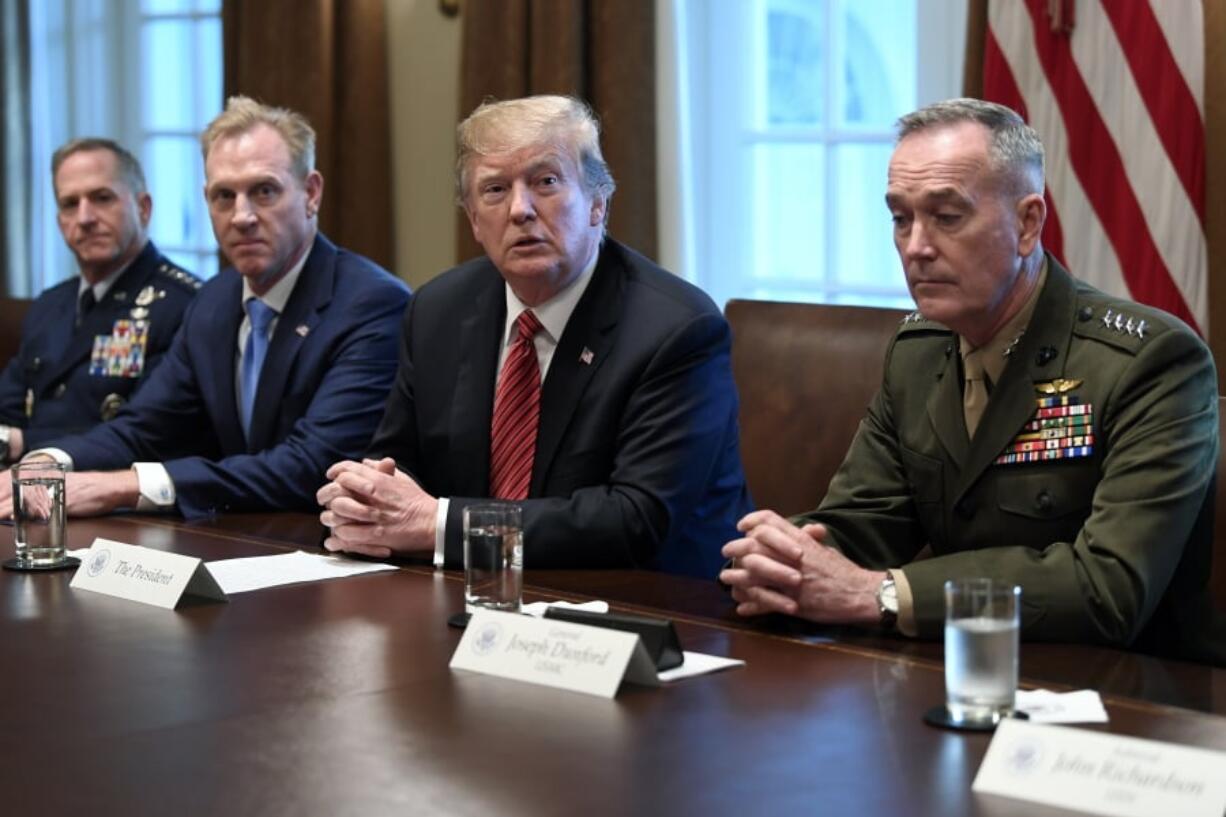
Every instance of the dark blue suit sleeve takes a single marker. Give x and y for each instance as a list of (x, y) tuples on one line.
[(12, 393), (328, 411), (339, 420)]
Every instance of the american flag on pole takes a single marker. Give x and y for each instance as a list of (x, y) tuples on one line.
[(1115, 89)]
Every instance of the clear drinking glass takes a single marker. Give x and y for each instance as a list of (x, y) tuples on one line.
[(493, 556), (38, 512), (982, 624)]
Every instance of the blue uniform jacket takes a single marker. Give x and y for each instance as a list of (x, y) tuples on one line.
[(329, 367), (63, 380)]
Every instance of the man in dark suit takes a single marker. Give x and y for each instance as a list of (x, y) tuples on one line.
[(88, 343), (284, 361), (572, 376), (1029, 429)]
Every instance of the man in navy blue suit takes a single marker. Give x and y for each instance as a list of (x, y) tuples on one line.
[(283, 363), (89, 342), (562, 370)]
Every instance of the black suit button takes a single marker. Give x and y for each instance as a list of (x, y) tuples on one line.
[(1045, 355), (60, 390), (1043, 501)]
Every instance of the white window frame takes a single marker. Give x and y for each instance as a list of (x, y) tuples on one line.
[(704, 207), (85, 81)]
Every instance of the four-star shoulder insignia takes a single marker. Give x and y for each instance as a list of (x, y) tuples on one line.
[(1121, 323), (182, 276)]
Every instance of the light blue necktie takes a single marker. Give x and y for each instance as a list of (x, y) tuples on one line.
[(261, 315)]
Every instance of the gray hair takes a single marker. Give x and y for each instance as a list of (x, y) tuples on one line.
[(243, 113), (1014, 147), (499, 127), (129, 168)]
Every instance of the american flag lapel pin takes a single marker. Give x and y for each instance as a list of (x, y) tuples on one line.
[(586, 356)]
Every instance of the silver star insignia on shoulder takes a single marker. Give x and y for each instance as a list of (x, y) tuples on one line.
[(1125, 324)]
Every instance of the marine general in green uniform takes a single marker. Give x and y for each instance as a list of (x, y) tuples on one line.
[(1029, 428)]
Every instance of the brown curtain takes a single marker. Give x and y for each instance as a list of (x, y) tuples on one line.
[(1215, 165), (17, 274), (326, 59), (602, 51)]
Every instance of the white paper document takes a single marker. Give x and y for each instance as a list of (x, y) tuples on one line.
[(538, 608), (257, 572), (697, 663), (1045, 706)]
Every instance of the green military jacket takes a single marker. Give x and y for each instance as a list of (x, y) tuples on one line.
[(1103, 514)]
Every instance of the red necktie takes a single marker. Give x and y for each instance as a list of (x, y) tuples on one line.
[(517, 412)]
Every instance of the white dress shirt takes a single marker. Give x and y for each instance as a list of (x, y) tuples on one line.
[(554, 314)]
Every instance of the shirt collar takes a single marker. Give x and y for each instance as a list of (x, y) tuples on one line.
[(554, 313), (104, 286), (278, 296), (994, 354)]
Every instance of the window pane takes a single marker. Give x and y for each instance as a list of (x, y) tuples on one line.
[(877, 48), (788, 227), (176, 182), (795, 37), (207, 61), (166, 74), (864, 260), (180, 6)]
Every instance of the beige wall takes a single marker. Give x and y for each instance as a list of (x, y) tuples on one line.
[(424, 61)]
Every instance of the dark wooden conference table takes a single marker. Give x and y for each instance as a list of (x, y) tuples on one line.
[(335, 698)]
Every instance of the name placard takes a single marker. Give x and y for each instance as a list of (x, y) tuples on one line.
[(147, 576), (1101, 773), (592, 660)]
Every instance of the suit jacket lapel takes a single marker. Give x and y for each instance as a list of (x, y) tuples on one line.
[(101, 319), (219, 333), (303, 312), (590, 329), (472, 406), (1014, 398)]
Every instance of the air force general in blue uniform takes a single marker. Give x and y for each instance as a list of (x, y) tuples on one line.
[(70, 375), (88, 343)]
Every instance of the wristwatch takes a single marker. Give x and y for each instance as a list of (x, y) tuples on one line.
[(5, 435), (887, 602)]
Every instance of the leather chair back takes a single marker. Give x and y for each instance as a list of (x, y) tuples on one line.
[(805, 374), (12, 313)]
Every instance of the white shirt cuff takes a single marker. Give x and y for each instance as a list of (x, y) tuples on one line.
[(57, 454), (440, 533), (157, 492)]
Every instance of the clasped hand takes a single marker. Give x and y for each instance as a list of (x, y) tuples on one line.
[(781, 568), (374, 509)]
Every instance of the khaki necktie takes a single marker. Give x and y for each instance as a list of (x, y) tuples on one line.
[(975, 390)]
